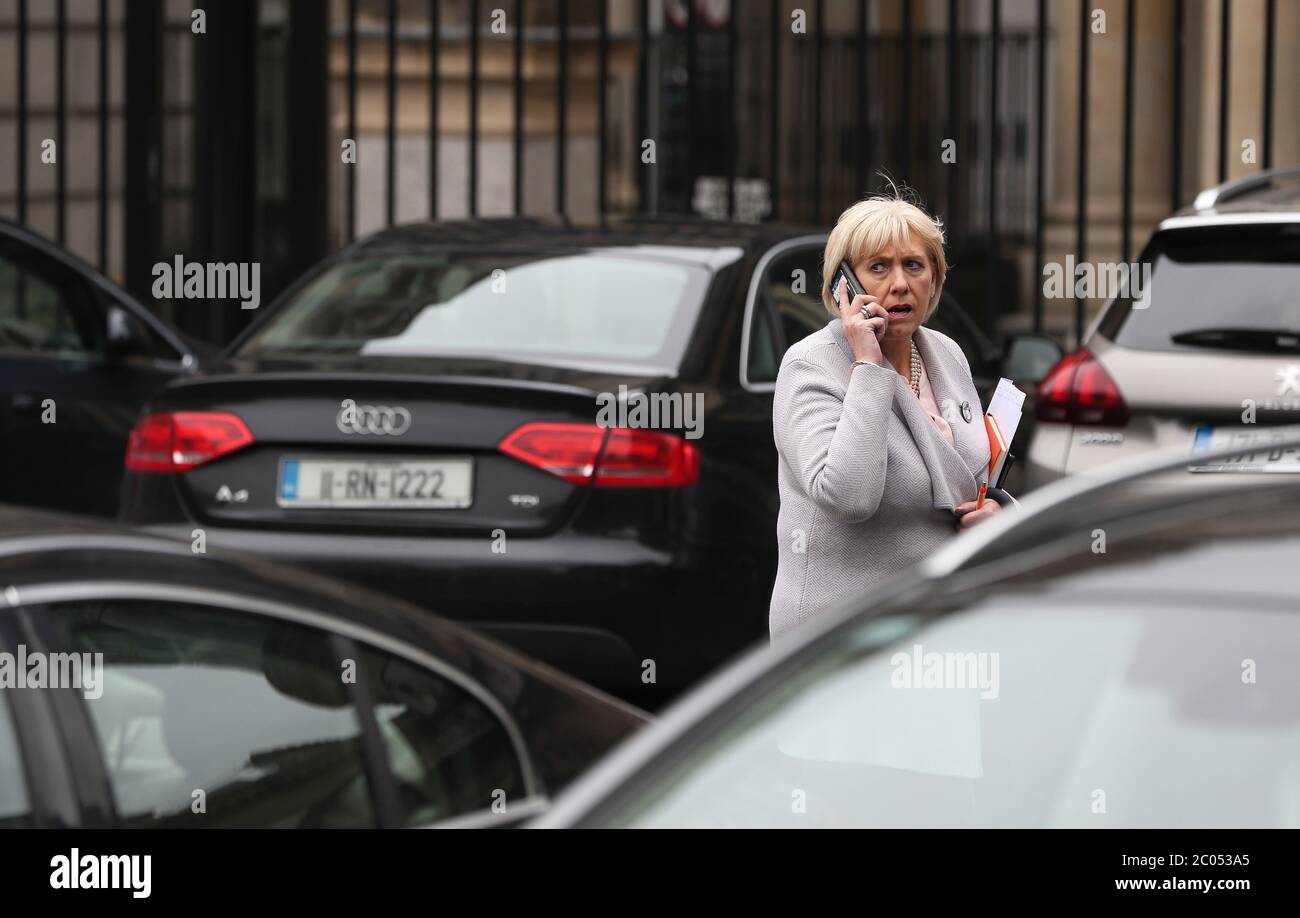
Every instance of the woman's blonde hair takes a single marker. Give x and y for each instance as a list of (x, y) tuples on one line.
[(872, 225)]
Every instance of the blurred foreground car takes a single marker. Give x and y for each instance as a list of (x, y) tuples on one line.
[(1113, 658), (421, 414), (232, 693), (78, 358), (1207, 357)]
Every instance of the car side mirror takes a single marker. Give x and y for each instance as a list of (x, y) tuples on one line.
[(1027, 358)]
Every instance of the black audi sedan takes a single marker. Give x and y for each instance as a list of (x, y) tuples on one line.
[(1118, 654), (205, 689), (79, 356), (559, 434)]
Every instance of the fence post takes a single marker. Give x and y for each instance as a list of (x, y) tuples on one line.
[(225, 148), (143, 166), (308, 110)]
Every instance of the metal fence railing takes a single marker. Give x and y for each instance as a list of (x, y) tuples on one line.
[(741, 99)]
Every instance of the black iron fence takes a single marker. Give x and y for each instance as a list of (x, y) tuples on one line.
[(222, 144)]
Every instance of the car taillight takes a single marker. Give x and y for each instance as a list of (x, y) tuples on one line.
[(1078, 390), (640, 458), (567, 450), (612, 458), (181, 440)]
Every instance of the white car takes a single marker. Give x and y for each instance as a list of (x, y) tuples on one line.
[(1208, 354)]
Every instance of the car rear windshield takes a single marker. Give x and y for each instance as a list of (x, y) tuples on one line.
[(1226, 287), (571, 307)]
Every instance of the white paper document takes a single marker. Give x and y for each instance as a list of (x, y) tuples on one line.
[(1005, 407)]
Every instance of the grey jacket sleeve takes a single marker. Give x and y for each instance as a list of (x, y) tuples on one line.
[(834, 440)]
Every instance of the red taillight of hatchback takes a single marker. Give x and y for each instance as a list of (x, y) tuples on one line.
[(182, 440), (610, 458), (1078, 390)]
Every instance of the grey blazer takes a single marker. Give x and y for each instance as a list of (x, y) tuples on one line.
[(867, 483)]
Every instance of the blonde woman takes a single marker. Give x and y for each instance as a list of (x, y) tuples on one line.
[(878, 425)]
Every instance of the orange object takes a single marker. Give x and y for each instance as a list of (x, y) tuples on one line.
[(998, 446), (979, 504)]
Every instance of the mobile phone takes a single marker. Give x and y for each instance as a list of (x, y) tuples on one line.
[(844, 274)]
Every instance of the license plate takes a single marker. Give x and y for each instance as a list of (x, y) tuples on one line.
[(1264, 456), (407, 484)]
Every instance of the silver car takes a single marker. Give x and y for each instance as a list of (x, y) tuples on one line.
[(1109, 657), (1204, 355)]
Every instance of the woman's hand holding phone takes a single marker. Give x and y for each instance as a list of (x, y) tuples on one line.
[(862, 333)]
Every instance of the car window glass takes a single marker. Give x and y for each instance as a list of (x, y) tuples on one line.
[(792, 284), (1175, 299), (148, 343), (596, 305), (44, 307), (15, 809), (449, 755), (240, 716), (1001, 716), (764, 355)]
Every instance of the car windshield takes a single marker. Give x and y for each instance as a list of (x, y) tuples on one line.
[(1007, 717), (550, 308), (1234, 288), (1117, 688)]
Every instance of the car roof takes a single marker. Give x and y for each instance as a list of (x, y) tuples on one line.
[(1268, 196), (969, 572), (39, 547), (549, 233), (1170, 543)]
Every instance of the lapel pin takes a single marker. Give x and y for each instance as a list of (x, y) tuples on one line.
[(965, 412)]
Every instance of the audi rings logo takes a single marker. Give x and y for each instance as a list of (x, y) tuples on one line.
[(380, 420)]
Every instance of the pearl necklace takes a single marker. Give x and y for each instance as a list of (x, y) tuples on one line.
[(916, 371)]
